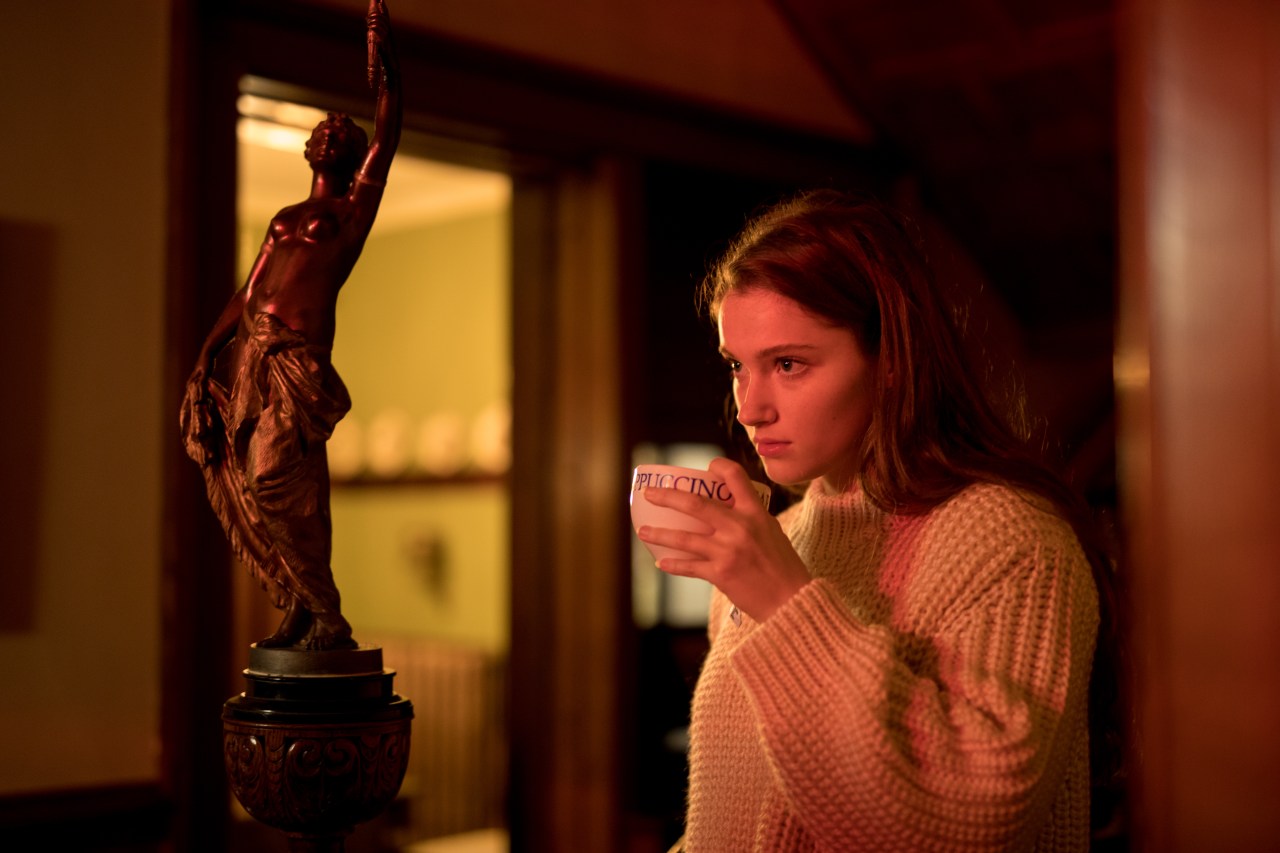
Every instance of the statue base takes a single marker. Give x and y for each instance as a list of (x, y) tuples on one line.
[(317, 743)]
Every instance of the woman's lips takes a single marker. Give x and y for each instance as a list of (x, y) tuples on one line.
[(769, 448)]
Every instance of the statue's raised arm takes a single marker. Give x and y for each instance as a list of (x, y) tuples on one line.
[(384, 76), (260, 439)]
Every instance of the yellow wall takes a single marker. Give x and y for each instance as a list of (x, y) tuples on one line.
[(423, 327), (423, 323), (85, 154)]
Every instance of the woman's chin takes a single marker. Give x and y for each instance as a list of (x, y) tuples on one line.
[(783, 474)]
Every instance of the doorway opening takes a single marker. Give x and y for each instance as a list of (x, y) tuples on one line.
[(419, 467)]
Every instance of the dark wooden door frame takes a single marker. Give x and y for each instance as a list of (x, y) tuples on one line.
[(196, 582)]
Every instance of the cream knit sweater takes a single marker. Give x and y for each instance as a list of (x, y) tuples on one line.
[(926, 691)]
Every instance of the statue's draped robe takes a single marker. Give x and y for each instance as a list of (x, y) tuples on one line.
[(262, 450)]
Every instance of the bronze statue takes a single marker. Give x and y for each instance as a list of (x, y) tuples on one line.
[(261, 444)]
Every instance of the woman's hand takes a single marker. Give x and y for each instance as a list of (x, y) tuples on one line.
[(746, 555)]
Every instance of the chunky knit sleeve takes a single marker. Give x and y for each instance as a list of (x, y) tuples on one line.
[(950, 723)]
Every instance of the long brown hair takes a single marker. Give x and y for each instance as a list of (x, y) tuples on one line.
[(859, 265)]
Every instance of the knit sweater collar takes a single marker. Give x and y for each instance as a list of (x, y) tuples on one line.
[(851, 504)]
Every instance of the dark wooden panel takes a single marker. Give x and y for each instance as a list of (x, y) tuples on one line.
[(1005, 113)]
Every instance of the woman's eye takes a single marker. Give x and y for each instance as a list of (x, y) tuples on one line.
[(786, 365), (734, 366)]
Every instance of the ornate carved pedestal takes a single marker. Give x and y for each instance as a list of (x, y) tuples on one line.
[(317, 743)]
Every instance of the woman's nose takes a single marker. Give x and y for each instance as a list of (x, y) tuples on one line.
[(754, 407)]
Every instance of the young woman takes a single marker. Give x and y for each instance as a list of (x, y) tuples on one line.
[(262, 443), (900, 661)]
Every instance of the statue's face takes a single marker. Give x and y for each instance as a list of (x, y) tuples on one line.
[(333, 147)]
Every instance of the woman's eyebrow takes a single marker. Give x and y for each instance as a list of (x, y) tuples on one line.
[(777, 350)]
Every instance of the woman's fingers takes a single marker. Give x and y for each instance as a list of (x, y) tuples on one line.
[(733, 474), (740, 486), (696, 545), (684, 567), (684, 540)]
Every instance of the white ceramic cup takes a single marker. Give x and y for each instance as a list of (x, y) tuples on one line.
[(685, 479)]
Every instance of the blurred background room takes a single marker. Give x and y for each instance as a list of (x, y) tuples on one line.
[(1097, 183)]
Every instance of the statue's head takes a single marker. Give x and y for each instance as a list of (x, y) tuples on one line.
[(337, 144)]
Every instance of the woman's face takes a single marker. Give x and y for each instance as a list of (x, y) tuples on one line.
[(803, 387)]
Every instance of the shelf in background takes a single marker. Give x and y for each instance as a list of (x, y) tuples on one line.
[(369, 481)]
